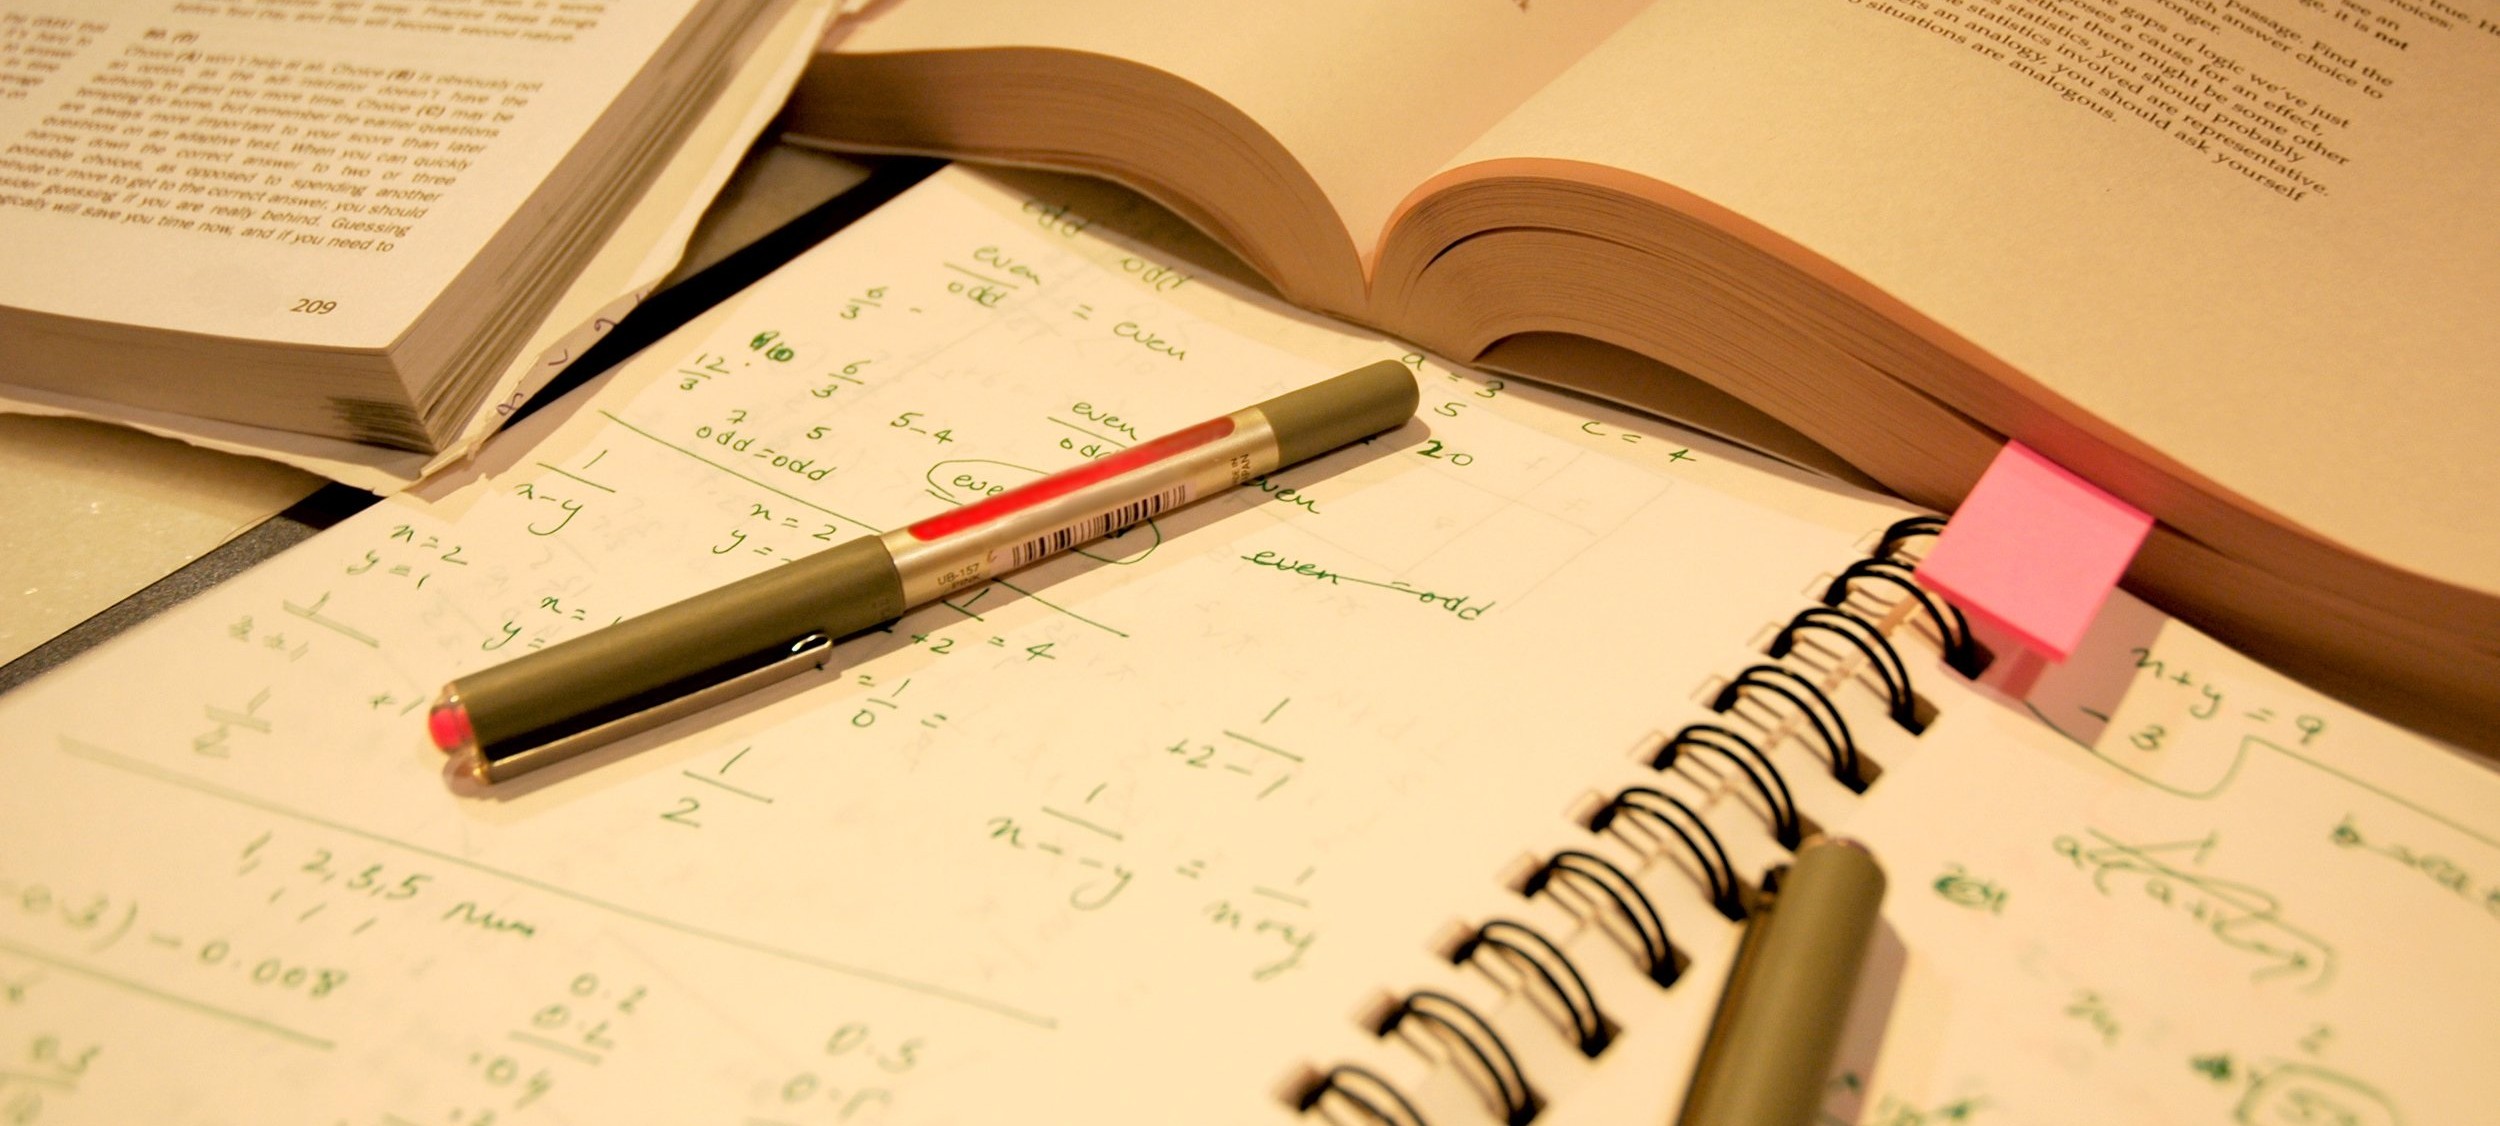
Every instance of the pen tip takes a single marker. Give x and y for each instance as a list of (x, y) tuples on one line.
[(448, 723)]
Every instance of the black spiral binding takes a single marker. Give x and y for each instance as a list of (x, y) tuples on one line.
[(1726, 893), (1350, 1083), (1464, 1024), (1839, 748), (1903, 531), (1961, 653), (1588, 1022), (1900, 701), (1774, 688), (1787, 826), (1648, 926)]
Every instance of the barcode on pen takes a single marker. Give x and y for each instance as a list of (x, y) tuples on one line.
[(1052, 543)]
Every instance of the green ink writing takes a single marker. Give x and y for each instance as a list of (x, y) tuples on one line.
[(1962, 889), (470, 914), (2089, 1008), (2240, 916), (1461, 606), (2440, 870)]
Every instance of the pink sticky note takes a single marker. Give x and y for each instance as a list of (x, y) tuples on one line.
[(2034, 550)]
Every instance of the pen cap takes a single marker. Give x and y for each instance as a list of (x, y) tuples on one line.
[(1779, 1024), (1340, 411)]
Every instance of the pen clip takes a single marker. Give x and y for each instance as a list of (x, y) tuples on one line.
[(665, 704)]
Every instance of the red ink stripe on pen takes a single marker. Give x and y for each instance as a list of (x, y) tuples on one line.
[(1061, 484)]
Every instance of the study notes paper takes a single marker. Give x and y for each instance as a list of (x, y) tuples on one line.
[(2173, 886), (1135, 835), (1148, 833)]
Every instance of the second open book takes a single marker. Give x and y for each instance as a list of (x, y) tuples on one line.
[(2233, 267)]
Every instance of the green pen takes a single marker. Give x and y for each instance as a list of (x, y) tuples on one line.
[(553, 704), (1778, 1024)]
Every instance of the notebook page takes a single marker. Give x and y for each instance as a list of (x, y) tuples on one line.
[(1132, 832), (2177, 887)]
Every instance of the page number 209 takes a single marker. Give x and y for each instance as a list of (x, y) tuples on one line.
[(313, 305)]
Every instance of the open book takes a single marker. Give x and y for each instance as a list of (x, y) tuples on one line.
[(342, 222), (2231, 263)]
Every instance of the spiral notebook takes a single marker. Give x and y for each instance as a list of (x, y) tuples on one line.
[(1428, 780)]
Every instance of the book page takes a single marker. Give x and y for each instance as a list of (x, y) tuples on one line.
[(2248, 236), (283, 171), (2176, 883), (1371, 98), (637, 256), (1140, 830)]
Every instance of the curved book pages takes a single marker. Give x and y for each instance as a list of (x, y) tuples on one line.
[(341, 224), (2162, 248)]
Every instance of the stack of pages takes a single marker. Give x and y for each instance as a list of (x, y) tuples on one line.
[(2235, 266), (331, 229)]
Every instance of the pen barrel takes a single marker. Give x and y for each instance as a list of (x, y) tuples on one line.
[(1018, 528), (1022, 526), (1341, 411), (644, 671), (841, 590), (1778, 1026)]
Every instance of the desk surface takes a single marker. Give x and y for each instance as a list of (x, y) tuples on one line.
[(96, 512)]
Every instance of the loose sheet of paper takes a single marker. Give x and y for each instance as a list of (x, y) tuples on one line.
[(2223, 899), (1132, 834)]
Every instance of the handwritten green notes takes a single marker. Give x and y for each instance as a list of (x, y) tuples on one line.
[(2223, 899), (1130, 835), (1147, 833)]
